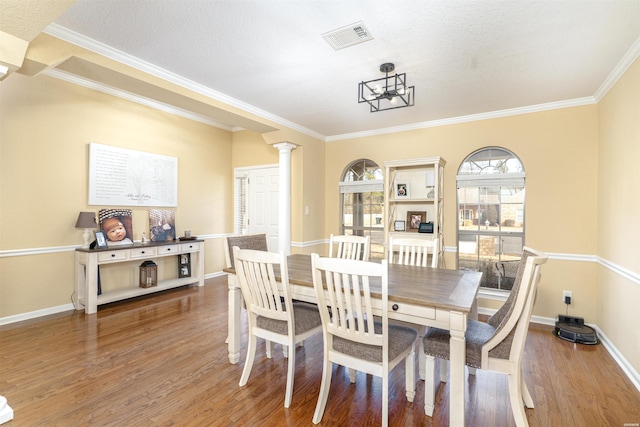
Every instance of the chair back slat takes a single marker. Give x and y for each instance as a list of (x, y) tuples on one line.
[(344, 286), (349, 247), (413, 251), (256, 272)]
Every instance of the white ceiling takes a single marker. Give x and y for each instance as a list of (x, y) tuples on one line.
[(464, 57)]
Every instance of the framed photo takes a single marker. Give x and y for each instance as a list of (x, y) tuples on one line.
[(398, 226), (402, 190), (414, 218), (101, 239)]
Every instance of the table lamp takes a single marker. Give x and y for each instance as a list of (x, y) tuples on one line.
[(86, 220)]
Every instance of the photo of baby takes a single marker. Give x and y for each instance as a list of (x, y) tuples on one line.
[(117, 226)]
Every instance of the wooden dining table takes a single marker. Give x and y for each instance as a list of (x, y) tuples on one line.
[(424, 296)]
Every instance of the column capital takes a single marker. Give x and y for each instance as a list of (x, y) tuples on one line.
[(285, 146)]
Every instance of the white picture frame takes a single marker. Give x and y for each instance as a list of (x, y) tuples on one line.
[(401, 190)]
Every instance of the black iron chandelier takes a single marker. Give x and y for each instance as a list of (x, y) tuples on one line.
[(388, 92)]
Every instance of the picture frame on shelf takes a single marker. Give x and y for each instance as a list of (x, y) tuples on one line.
[(101, 239), (401, 190), (414, 218), (398, 225)]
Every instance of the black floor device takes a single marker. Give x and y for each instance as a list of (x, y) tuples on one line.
[(573, 329)]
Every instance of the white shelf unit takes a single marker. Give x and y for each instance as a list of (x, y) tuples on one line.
[(89, 260), (424, 193)]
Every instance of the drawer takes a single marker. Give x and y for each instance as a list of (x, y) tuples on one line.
[(170, 249), (143, 252), (112, 256), (189, 247)]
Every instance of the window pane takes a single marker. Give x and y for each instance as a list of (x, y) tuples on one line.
[(491, 216)]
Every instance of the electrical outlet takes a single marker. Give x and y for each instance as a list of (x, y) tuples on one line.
[(566, 294)]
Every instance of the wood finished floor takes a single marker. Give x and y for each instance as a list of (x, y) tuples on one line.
[(162, 361)]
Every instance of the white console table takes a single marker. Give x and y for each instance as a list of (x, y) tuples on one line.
[(88, 260)]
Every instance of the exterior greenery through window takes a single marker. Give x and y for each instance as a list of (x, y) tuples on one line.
[(491, 196), (362, 203)]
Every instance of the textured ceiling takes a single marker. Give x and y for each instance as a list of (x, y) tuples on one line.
[(464, 57)]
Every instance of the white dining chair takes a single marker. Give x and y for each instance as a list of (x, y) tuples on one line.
[(413, 251), (273, 315), (351, 336), (498, 344), (350, 247)]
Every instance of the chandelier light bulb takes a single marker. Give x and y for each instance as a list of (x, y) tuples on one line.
[(378, 89), (394, 100), (401, 90)]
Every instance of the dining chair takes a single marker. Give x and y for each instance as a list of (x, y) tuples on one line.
[(350, 247), (273, 315), (498, 344), (351, 336), (413, 251), (256, 242)]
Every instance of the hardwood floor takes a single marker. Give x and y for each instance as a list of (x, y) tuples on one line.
[(161, 360)]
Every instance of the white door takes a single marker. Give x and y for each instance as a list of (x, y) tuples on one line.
[(263, 189)]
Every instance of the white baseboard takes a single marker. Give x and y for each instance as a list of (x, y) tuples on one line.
[(624, 364)]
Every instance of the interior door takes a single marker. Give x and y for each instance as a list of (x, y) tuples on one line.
[(263, 189)]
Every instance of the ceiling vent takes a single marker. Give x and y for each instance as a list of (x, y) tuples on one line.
[(348, 36)]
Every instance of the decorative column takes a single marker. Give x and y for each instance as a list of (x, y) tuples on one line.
[(284, 205)]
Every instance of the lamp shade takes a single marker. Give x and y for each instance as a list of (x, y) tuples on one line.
[(86, 220)]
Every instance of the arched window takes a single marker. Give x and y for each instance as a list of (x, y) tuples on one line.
[(491, 194), (362, 203)]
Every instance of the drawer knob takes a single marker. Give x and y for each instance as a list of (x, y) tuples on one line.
[(394, 307), (143, 252), (113, 255)]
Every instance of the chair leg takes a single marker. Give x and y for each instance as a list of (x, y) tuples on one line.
[(444, 367), (352, 375), (410, 374), (385, 399), (290, 374), (324, 389), (515, 396), (248, 364), (430, 384), (526, 396), (268, 345)]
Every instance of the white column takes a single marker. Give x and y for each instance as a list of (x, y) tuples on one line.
[(284, 206)]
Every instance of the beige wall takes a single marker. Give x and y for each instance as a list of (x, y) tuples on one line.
[(559, 151), (47, 125), (619, 210)]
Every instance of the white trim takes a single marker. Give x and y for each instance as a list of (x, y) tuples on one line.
[(578, 102), (148, 102), (77, 39), (626, 61)]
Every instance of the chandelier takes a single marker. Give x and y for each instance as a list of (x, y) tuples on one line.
[(388, 92)]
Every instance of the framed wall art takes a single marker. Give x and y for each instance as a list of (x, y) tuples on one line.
[(414, 218), (398, 225)]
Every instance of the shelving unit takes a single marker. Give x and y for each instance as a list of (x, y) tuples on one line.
[(89, 260), (423, 192)]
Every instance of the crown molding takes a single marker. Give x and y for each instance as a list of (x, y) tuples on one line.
[(77, 39), (469, 118), (626, 61)]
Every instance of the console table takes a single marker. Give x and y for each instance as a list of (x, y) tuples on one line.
[(88, 260)]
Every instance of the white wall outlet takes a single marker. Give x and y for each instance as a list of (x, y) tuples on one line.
[(567, 294)]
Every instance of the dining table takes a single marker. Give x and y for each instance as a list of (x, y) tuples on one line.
[(423, 296)]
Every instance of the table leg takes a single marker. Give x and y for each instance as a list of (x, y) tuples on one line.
[(456, 367), (233, 337)]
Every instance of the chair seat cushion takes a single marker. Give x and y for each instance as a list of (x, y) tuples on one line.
[(400, 338), (436, 342), (306, 318)]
